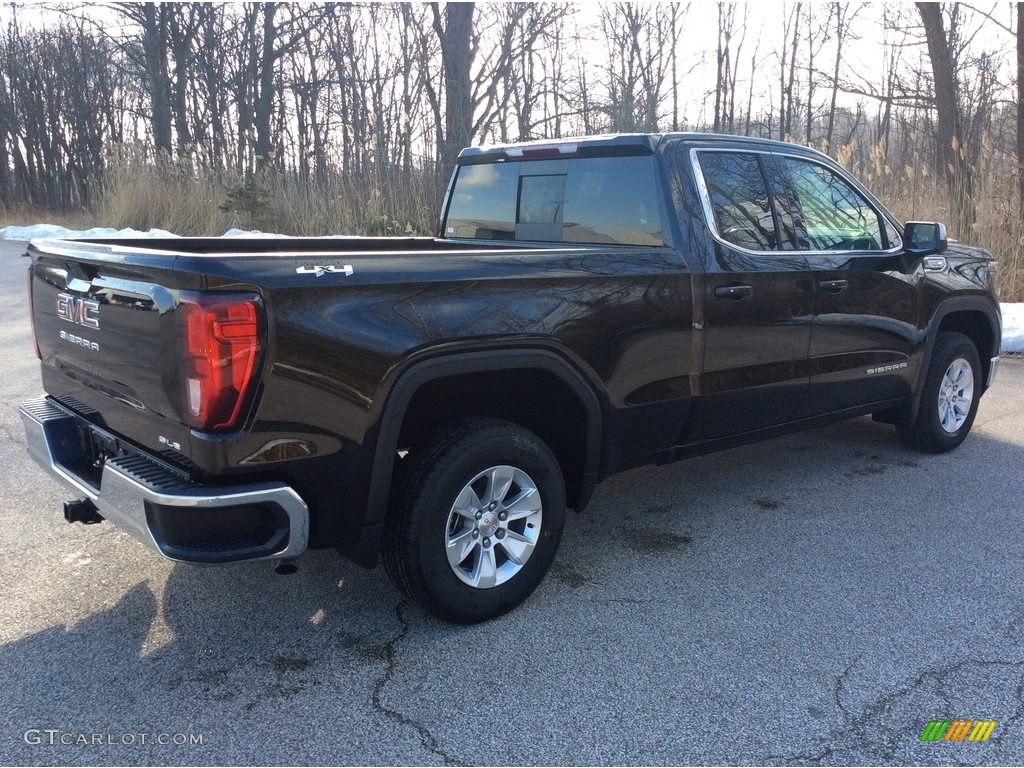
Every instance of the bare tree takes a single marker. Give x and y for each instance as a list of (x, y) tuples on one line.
[(182, 31), (1020, 102), (209, 100), (817, 35), (509, 94), (455, 33), (750, 90), (264, 101), (842, 16), (151, 55), (950, 139), (726, 70), (639, 41), (787, 69), (60, 103)]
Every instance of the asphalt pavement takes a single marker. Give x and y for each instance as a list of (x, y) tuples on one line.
[(815, 599)]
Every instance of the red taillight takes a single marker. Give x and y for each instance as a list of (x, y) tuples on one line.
[(222, 348)]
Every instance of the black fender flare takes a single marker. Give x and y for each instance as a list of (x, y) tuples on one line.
[(409, 380), (980, 304)]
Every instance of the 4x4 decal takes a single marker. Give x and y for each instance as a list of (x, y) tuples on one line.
[(320, 271)]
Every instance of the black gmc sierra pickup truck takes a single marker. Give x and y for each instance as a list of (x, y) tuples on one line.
[(590, 305)]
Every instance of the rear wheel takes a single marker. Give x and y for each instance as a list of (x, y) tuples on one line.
[(950, 397), (477, 520)]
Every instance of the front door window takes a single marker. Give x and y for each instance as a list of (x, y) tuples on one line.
[(833, 216)]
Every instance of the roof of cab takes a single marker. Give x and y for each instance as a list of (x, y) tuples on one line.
[(605, 145)]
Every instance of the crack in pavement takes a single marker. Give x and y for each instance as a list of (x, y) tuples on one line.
[(855, 738), (837, 691), (1019, 712), (387, 655)]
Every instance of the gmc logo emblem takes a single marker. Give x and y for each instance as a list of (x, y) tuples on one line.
[(79, 311)]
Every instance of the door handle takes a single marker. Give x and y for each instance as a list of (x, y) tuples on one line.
[(733, 292), (834, 286)]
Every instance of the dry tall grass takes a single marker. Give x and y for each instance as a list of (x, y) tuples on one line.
[(26, 216), (190, 199), (914, 193)]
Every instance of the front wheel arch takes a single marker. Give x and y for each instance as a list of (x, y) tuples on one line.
[(949, 397), (976, 318)]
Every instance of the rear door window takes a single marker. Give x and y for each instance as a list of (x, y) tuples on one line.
[(741, 208)]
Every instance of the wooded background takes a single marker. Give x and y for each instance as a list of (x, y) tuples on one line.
[(346, 118)]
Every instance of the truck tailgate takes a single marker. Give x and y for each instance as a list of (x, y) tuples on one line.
[(109, 340)]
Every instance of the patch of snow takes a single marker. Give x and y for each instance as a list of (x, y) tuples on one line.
[(36, 230), (234, 232), (1013, 327), (127, 232), (39, 231)]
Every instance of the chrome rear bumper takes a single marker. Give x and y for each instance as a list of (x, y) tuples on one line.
[(178, 518)]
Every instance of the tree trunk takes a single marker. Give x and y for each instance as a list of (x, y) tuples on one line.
[(1020, 102), (455, 36), (735, 72), (792, 71), (182, 35), (265, 96), (720, 79), (837, 9), (154, 42), (213, 79), (811, 42), (675, 77), (949, 134)]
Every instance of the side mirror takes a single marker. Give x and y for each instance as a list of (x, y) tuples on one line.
[(924, 238)]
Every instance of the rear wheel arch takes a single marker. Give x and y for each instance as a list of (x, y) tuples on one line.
[(476, 521), (568, 413)]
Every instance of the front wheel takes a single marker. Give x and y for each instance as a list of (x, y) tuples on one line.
[(477, 520), (950, 397)]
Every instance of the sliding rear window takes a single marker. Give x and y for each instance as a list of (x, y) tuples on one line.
[(578, 200)]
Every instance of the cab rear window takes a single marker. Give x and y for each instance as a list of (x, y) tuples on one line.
[(579, 200)]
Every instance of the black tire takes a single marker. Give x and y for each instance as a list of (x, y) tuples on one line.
[(949, 400), (469, 460)]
